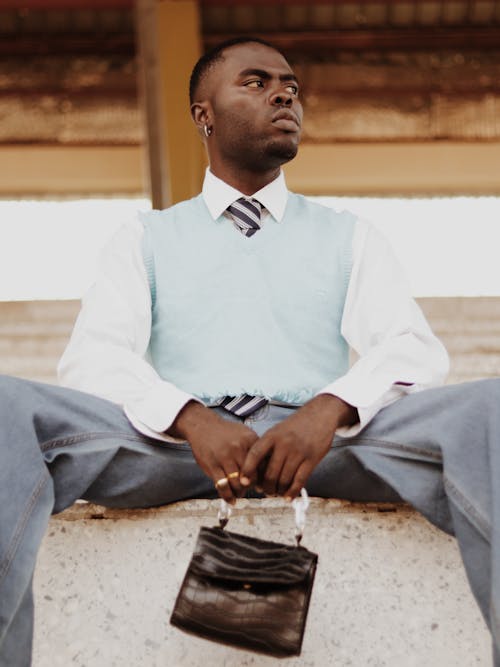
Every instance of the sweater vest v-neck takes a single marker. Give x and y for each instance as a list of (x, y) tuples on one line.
[(259, 315)]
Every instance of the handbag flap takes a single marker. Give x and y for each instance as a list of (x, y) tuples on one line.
[(221, 554)]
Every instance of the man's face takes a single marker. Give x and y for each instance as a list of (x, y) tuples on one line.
[(257, 115)]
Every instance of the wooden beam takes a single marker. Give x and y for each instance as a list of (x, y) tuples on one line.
[(396, 169), (66, 4), (107, 4), (85, 170), (312, 42), (46, 44), (294, 3), (383, 39), (377, 169), (169, 45)]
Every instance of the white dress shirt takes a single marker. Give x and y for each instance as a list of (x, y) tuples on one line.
[(108, 351)]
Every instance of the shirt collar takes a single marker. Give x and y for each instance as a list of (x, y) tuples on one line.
[(218, 195)]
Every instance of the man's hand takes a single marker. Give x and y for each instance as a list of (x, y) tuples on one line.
[(219, 446), (289, 451)]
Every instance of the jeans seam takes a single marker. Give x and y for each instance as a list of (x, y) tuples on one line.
[(104, 435), (392, 445), (467, 508), (92, 435), (21, 525), (494, 620)]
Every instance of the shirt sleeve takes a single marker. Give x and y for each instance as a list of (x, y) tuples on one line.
[(397, 351), (107, 351)]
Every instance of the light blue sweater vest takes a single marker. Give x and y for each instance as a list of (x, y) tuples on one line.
[(260, 315)]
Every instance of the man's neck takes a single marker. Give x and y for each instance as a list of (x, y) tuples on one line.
[(245, 182)]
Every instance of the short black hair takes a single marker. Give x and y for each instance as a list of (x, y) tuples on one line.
[(214, 55)]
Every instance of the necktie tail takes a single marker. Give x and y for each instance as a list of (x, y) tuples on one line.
[(244, 405)]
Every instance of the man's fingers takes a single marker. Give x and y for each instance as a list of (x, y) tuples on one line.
[(220, 452), (233, 477), (228, 479), (257, 452), (234, 472), (287, 473), (223, 486), (271, 473), (299, 480)]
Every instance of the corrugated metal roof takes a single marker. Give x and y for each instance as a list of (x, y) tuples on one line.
[(367, 14), (303, 27), (319, 29), (371, 69)]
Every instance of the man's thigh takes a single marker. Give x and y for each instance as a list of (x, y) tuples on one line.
[(438, 445), (90, 450), (148, 473), (142, 471)]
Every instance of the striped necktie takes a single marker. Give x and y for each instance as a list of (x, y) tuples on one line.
[(244, 405), (245, 214)]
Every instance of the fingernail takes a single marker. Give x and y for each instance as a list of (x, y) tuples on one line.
[(244, 481)]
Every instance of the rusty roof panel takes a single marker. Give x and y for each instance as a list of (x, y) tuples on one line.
[(346, 15)]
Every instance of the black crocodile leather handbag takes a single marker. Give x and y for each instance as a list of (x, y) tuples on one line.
[(246, 592)]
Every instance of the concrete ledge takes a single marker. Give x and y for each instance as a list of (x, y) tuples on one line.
[(390, 588)]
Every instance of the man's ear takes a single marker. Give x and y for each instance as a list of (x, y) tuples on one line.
[(200, 113)]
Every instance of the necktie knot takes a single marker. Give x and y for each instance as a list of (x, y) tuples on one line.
[(245, 214)]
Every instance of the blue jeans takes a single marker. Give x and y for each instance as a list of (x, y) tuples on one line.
[(438, 449)]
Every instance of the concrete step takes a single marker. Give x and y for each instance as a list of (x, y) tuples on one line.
[(390, 589), (33, 335), (19, 312), (465, 310)]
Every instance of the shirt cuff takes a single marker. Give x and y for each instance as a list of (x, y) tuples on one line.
[(368, 401), (157, 409)]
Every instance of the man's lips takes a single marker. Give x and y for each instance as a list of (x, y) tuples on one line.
[(286, 120)]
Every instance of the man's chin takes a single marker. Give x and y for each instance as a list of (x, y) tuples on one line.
[(283, 151)]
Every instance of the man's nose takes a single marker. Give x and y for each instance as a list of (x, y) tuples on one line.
[(281, 99)]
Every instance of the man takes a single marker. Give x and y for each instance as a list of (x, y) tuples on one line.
[(246, 106), (221, 326)]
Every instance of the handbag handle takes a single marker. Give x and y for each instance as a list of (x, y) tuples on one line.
[(299, 504)]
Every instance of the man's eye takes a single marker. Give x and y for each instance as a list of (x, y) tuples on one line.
[(256, 83), (293, 89)]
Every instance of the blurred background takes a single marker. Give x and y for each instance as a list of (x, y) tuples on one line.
[(402, 125)]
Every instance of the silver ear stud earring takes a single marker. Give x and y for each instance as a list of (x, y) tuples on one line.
[(207, 130)]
